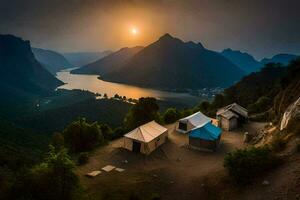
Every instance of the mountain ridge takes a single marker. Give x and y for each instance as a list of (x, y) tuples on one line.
[(160, 65)]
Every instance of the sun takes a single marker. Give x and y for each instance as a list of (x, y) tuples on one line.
[(134, 31)]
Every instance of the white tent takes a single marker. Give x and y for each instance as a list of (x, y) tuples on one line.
[(197, 119), (145, 138)]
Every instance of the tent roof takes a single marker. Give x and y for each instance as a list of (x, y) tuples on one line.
[(207, 132), (197, 119), (146, 132), (236, 108)]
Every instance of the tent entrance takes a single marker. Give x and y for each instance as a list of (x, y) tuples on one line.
[(182, 126), (136, 146)]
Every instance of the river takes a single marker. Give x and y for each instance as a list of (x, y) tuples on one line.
[(95, 85)]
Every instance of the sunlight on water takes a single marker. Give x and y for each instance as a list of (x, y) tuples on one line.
[(93, 84)]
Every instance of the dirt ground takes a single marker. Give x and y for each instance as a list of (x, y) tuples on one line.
[(173, 171)]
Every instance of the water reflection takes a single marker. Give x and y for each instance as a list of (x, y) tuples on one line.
[(93, 84)]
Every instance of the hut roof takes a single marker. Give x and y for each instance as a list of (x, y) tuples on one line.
[(234, 109)]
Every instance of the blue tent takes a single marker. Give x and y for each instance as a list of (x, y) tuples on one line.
[(206, 132)]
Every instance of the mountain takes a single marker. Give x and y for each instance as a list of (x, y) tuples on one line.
[(79, 59), (112, 62), (20, 71), (51, 60), (171, 63), (279, 58), (243, 60)]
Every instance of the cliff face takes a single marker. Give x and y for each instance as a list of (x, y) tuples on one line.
[(292, 112), (20, 70), (290, 88)]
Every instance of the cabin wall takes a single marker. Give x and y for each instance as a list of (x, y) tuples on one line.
[(228, 125)]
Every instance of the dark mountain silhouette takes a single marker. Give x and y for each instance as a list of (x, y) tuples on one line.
[(112, 62), (51, 60), (280, 58), (243, 60), (20, 71), (170, 63), (79, 59)]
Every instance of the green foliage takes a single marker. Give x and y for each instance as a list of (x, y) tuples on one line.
[(81, 136), (106, 131), (52, 179), (83, 158), (171, 115), (118, 132), (145, 110), (262, 104), (245, 164), (58, 141)]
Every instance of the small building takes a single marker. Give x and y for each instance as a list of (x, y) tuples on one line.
[(206, 137), (197, 119), (232, 116), (146, 138)]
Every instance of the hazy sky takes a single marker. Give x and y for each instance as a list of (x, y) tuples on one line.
[(260, 27)]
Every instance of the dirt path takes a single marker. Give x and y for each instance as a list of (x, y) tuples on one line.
[(173, 171)]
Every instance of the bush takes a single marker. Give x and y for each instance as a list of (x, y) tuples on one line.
[(246, 164), (262, 104), (171, 115), (83, 158), (81, 136), (54, 178)]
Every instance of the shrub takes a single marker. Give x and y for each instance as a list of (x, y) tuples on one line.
[(83, 158), (171, 115), (245, 164), (81, 136)]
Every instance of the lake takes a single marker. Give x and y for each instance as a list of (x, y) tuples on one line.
[(95, 85)]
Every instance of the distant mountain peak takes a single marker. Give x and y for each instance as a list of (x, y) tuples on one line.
[(166, 36)]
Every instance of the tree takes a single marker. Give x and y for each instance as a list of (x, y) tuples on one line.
[(145, 110), (58, 141), (81, 136), (54, 178), (106, 131), (171, 115)]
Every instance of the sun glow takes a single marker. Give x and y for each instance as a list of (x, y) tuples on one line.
[(134, 31)]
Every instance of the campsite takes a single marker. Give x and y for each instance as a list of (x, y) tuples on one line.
[(170, 168)]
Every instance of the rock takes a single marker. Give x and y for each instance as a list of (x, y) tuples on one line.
[(125, 161), (265, 182), (291, 112), (155, 175), (246, 137)]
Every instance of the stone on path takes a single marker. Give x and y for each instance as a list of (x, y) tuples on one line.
[(119, 169), (93, 173), (108, 168)]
